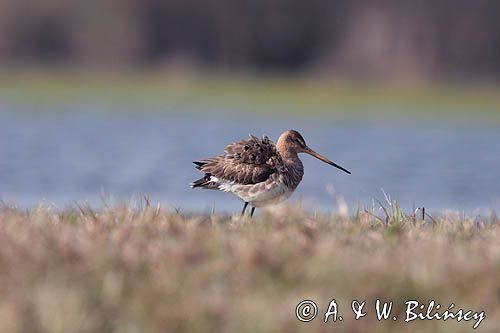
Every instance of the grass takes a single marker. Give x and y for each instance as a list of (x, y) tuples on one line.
[(146, 269), (293, 95)]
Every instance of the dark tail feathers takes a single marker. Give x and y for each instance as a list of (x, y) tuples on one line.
[(199, 164), (205, 181), (202, 182)]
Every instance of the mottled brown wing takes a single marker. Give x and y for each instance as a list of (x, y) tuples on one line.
[(230, 170), (245, 162), (252, 151)]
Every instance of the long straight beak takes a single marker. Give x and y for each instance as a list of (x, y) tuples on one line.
[(324, 159)]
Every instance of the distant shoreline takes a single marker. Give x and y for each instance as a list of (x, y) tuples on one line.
[(256, 94)]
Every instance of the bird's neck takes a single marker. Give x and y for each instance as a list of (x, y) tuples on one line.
[(294, 167)]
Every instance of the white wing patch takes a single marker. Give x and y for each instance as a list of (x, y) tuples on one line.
[(222, 184)]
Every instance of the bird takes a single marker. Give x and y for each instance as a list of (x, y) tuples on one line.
[(258, 171)]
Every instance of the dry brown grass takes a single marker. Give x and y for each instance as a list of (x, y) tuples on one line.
[(127, 269)]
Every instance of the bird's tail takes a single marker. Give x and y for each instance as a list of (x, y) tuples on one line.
[(202, 182), (206, 181)]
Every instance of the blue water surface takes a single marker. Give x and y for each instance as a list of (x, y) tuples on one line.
[(91, 153)]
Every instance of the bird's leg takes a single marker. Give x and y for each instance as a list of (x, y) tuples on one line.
[(251, 212), (244, 208)]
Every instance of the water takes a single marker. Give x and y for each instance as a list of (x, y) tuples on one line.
[(64, 157)]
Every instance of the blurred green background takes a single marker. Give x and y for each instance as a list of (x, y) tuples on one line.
[(292, 54)]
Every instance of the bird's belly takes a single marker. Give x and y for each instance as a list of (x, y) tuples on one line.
[(262, 194)]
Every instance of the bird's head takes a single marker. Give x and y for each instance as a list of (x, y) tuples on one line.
[(292, 142)]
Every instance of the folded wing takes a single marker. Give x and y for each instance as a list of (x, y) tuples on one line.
[(245, 162)]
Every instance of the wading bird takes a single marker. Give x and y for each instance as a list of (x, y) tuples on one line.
[(258, 172)]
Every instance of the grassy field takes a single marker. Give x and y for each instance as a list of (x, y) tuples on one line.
[(293, 95), (146, 269)]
